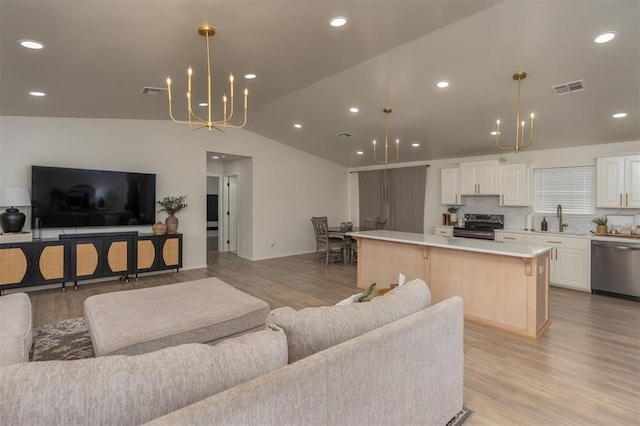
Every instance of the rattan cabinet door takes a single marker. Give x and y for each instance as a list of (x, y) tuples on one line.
[(146, 253), (50, 263), (170, 251), (14, 264)]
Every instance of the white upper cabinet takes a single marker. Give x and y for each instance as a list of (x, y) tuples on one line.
[(619, 182), (514, 185), (479, 178), (449, 188)]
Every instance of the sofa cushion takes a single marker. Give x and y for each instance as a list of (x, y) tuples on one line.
[(311, 330), (16, 328), (127, 390)]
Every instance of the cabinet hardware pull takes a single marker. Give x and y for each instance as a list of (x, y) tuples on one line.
[(502, 198), (509, 238), (554, 242), (621, 199), (626, 199)]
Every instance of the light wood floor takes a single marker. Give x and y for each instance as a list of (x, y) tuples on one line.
[(585, 370)]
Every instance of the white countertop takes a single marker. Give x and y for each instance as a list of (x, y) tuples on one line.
[(465, 244), (589, 236)]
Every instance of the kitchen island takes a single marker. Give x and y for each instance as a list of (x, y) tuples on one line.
[(504, 285)]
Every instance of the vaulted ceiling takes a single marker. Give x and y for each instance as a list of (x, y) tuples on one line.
[(99, 55)]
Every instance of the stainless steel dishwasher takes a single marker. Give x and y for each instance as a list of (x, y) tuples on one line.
[(615, 268)]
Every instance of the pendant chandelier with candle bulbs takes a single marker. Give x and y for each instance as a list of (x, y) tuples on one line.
[(520, 125), (386, 159), (193, 120)]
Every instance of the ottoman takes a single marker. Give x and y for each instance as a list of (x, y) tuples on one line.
[(16, 328), (145, 320)]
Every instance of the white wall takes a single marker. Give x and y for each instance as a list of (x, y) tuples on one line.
[(288, 185)]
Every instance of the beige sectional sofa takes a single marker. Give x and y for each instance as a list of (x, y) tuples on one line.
[(16, 328), (394, 360)]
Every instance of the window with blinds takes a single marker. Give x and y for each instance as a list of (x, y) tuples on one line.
[(572, 187)]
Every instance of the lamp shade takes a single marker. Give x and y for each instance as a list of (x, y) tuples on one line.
[(10, 197), (12, 220)]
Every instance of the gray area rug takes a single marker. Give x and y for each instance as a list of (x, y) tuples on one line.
[(69, 339), (63, 340)]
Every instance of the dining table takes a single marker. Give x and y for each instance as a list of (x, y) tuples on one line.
[(340, 232)]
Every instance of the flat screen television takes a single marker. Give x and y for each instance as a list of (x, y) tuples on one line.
[(65, 197), (212, 208)]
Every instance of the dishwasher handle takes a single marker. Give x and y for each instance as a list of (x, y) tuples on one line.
[(616, 245)]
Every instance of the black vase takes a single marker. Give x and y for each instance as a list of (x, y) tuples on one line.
[(12, 220)]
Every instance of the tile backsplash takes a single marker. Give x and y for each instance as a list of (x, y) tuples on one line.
[(515, 217)]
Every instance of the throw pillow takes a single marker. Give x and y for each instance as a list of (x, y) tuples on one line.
[(349, 300), (369, 293)]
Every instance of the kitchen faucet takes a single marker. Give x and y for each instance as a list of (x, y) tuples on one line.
[(559, 216)]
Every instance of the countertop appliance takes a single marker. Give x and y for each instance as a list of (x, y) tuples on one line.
[(615, 268), (480, 226)]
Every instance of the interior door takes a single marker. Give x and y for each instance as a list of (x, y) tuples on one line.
[(231, 213)]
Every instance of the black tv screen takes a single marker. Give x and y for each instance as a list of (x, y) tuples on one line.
[(64, 197), (212, 208)]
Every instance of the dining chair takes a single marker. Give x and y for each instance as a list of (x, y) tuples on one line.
[(333, 248)]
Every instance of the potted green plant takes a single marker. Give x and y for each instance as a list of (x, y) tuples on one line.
[(453, 214), (602, 224), (172, 205)]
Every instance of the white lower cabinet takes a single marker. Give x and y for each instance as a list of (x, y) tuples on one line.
[(572, 268), (510, 237), (445, 231), (570, 257)]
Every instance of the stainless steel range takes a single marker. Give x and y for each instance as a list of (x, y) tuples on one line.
[(480, 226)]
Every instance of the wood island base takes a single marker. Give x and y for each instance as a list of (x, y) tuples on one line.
[(505, 292)]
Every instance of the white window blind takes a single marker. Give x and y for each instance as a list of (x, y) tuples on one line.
[(572, 187)]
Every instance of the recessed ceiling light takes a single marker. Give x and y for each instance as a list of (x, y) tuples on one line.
[(338, 21), (605, 37), (250, 76), (298, 126), (495, 133), (37, 93), (203, 104), (443, 84), (415, 144), (215, 157), (620, 115), (360, 152), (354, 109), (31, 44)]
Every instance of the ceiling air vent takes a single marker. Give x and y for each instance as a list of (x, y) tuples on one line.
[(345, 135), (570, 87), (146, 90)]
